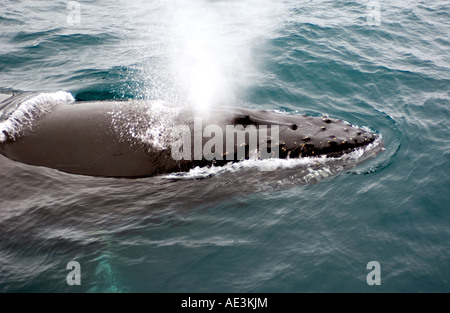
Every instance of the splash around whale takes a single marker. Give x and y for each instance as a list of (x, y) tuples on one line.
[(137, 138)]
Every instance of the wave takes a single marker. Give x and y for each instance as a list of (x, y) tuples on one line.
[(21, 111)]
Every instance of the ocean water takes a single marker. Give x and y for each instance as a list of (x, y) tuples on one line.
[(383, 65)]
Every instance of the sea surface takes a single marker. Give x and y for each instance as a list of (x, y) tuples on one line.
[(383, 65)]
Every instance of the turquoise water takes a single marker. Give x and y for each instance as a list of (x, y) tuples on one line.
[(388, 70)]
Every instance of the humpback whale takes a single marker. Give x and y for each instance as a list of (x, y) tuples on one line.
[(138, 138)]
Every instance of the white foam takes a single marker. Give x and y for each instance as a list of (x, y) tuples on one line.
[(308, 168), (23, 114), (133, 122), (161, 119)]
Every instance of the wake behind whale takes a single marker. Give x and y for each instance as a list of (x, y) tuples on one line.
[(145, 138)]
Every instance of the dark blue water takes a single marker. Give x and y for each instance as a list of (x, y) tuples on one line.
[(384, 66)]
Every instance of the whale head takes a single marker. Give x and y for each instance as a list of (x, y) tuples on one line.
[(85, 138), (294, 136)]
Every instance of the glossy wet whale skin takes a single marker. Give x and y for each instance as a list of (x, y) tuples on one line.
[(80, 139)]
